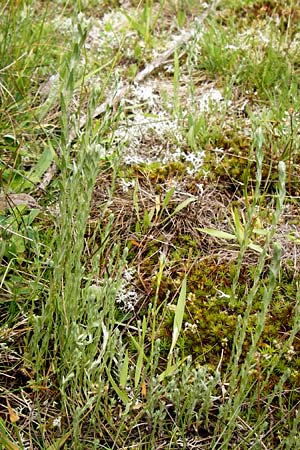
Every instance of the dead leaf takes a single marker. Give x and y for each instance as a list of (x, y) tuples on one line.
[(144, 389), (13, 416)]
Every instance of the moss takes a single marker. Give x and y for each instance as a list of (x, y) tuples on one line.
[(235, 167), (263, 10), (210, 320), (158, 174)]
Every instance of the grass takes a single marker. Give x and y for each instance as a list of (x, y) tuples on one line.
[(149, 253)]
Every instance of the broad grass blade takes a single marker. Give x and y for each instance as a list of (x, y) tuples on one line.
[(179, 312)]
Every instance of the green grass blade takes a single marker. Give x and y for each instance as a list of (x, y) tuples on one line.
[(120, 392), (179, 312), (124, 371), (217, 233), (141, 354), (238, 227), (167, 199), (183, 205)]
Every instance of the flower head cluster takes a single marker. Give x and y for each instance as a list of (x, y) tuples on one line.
[(127, 296)]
